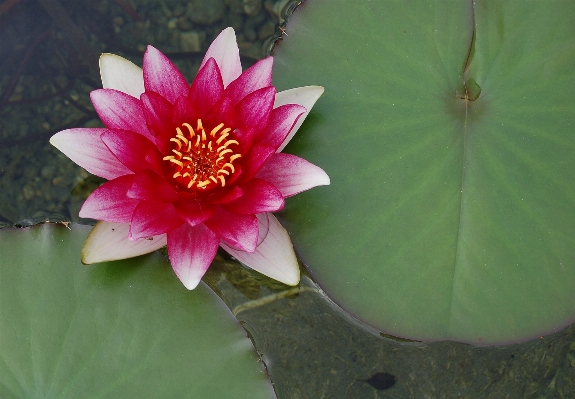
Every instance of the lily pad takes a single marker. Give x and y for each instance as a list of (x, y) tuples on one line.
[(126, 329), (448, 131)]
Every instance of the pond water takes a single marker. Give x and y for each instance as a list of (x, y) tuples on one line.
[(310, 347)]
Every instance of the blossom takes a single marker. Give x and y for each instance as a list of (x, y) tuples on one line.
[(193, 167)]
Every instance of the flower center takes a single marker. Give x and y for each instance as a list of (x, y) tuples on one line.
[(201, 161)]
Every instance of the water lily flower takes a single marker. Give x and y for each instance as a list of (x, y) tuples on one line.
[(193, 167)]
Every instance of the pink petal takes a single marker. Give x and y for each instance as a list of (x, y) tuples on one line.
[(291, 174), (158, 113), (161, 76), (304, 96), (109, 241), (194, 212), (153, 218), (120, 74), (191, 251), (259, 196), (254, 78), (274, 257), (239, 231), (254, 110), (149, 186), (120, 111), (281, 122), (109, 201), (224, 50), (130, 148), (84, 147), (207, 88)]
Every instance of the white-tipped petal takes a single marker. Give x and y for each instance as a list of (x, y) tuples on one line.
[(224, 49), (306, 97), (109, 241), (120, 74), (274, 257)]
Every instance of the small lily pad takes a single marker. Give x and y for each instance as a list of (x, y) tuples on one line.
[(125, 329)]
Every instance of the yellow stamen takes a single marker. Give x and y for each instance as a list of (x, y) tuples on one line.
[(222, 137), (234, 157), (215, 130), (178, 143)]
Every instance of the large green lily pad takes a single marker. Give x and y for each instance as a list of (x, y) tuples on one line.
[(126, 329), (448, 131)]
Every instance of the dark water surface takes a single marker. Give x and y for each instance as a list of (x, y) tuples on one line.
[(312, 349)]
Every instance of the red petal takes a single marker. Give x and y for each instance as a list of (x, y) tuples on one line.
[(153, 218), (158, 113), (120, 111), (110, 203), (161, 76), (222, 112), (194, 212), (86, 148), (254, 110), (191, 251), (259, 196), (207, 88), (130, 148), (223, 197), (183, 112), (255, 160), (282, 120), (149, 186), (239, 231), (291, 174), (254, 78)]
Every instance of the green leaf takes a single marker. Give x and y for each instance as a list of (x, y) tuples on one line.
[(125, 329), (448, 131)]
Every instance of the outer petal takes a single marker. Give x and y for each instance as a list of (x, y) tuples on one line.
[(224, 49), (207, 88), (109, 241), (150, 219), (259, 196), (120, 74), (254, 78), (263, 226), (239, 231), (109, 201), (274, 257), (130, 148), (191, 251), (291, 174), (85, 148), (162, 76), (120, 111), (306, 97)]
